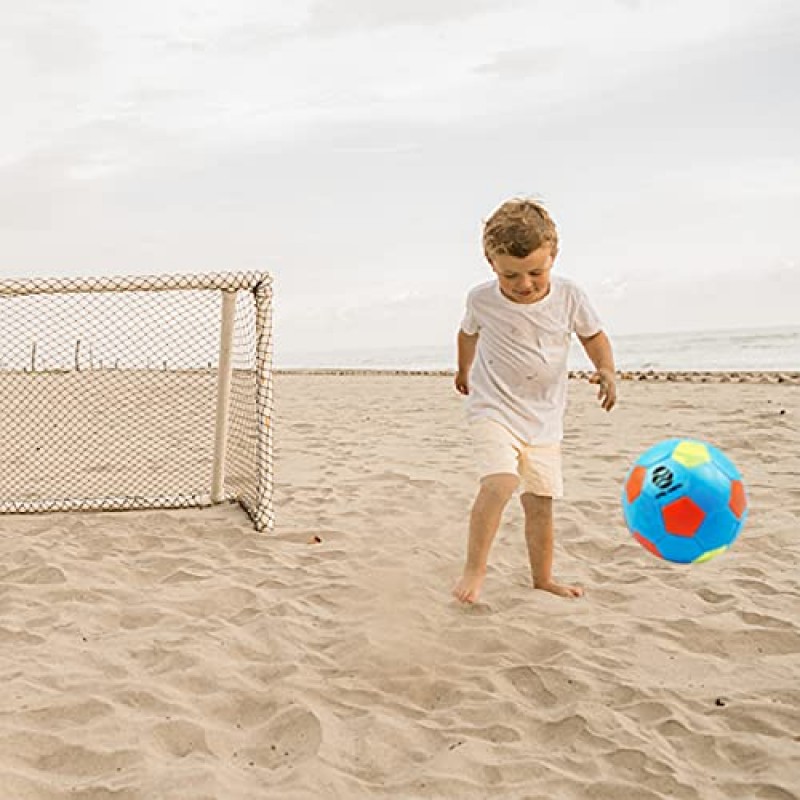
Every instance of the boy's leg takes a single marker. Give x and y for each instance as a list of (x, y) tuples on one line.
[(539, 538), (493, 496)]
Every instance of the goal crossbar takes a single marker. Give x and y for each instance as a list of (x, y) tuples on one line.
[(223, 281)]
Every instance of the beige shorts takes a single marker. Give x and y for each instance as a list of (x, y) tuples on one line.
[(498, 450)]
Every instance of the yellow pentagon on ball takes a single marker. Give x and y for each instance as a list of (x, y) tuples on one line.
[(691, 454), (709, 554)]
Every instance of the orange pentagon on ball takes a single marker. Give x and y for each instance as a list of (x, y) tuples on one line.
[(635, 483), (738, 501)]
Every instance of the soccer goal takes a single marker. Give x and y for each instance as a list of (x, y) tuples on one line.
[(136, 392)]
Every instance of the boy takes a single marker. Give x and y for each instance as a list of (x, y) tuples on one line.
[(519, 327)]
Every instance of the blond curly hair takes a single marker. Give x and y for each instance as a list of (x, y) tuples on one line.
[(517, 228)]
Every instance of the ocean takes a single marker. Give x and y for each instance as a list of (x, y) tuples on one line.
[(757, 349)]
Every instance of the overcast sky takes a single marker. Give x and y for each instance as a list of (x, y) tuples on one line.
[(353, 147)]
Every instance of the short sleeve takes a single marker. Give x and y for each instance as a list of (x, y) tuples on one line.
[(469, 324), (586, 321)]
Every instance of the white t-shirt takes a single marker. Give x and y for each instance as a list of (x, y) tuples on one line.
[(519, 376)]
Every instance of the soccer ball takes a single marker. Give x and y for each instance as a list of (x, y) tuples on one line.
[(684, 500)]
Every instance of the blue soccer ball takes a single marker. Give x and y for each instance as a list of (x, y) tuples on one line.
[(684, 501)]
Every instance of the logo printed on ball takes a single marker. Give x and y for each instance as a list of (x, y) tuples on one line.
[(664, 479)]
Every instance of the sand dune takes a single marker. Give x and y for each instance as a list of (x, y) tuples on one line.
[(181, 656)]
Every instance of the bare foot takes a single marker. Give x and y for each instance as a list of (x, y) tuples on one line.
[(468, 588), (561, 589)]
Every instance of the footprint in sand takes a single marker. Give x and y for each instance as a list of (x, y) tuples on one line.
[(290, 738)]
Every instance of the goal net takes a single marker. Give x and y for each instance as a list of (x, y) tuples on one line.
[(136, 392)]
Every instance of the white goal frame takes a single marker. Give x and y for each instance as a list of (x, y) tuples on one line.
[(259, 506)]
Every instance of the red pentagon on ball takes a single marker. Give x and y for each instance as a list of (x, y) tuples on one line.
[(738, 501), (683, 517), (633, 487), (647, 544)]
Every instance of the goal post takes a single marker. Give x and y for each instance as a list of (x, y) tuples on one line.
[(146, 391), (224, 374)]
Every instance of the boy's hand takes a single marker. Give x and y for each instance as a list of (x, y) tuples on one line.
[(607, 393), (462, 383)]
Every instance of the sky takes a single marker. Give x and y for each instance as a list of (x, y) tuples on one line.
[(352, 148)]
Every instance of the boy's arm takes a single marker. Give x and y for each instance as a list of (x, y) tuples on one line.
[(598, 348), (467, 343)]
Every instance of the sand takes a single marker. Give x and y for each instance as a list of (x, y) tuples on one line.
[(178, 655)]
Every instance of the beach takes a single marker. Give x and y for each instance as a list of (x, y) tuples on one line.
[(180, 655)]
